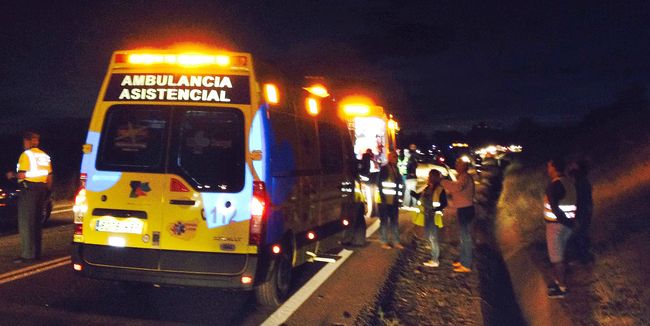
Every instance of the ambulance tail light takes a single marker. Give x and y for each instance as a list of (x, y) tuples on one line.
[(259, 209), (80, 206), (176, 185)]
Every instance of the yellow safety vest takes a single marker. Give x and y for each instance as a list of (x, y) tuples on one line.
[(36, 164), (390, 189), (566, 204)]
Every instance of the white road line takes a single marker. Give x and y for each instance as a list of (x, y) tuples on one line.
[(62, 210), (292, 304), (34, 269), (372, 228)]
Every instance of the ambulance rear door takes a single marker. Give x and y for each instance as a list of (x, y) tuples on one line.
[(206, 205)]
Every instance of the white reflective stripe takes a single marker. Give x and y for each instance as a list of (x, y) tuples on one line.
[(568, 208), (401, 186), (388, 184), (35, 161), (436, 204), (550, 215), (570, 215), (547, 206), (37, 173), (388, 191), (363, 178)]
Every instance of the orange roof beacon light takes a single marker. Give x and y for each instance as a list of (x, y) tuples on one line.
[(392, 124), (312, 106), (271, 94), (354, 110), (318, 90), (181, 59)]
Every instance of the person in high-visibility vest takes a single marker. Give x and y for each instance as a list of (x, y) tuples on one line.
[(433, 199), (391, 188), (35, 178), (559, 214)]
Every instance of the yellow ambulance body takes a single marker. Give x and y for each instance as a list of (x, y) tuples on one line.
[(196, 173)]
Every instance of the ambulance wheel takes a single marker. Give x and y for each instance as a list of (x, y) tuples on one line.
[(273, 292)]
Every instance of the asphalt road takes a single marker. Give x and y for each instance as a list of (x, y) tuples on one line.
[(48, 292)]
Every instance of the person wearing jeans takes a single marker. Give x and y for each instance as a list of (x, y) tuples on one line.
[(461, 193)]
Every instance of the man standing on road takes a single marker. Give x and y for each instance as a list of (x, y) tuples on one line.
[(391, 186), (461, 195), (35, 179), (559, 213)]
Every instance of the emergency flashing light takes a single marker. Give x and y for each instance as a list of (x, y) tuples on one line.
[(318, 90), (77, 267), (346, 222), (392, 124), (181, 59), (312, 106), (271, 94), (246, 280), (311, 235), (356, 109)]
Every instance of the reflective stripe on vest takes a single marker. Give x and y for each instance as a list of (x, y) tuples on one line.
[(390, 189), (39, 164), (436, 196), (566, 204)]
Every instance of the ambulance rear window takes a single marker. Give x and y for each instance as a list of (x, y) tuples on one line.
[(133, 139), (210, 149)]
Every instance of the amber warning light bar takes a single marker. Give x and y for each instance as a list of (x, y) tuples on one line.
[(181, 59)]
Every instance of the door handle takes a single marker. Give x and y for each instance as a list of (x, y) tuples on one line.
[(183, 202)]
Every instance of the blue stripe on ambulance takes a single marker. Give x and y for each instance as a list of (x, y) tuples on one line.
[(97, 180)]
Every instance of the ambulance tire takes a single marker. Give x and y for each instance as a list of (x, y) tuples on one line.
[(273, 292)]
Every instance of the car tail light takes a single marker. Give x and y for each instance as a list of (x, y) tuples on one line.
[(259, 207)]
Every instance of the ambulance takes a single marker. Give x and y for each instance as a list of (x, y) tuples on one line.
[(201, 169), (370, 128)]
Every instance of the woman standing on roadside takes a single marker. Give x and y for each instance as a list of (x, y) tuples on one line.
[(433, 199)]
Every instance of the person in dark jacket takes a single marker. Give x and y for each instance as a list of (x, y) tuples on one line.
[(559, 214), (581, 243)]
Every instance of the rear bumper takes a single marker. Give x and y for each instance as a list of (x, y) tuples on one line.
[(190, 270)]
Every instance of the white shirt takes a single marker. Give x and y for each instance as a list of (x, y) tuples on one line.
[(460, 192)]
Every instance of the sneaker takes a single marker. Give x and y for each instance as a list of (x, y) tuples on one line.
[(385, 246), (431, 263), (462, 269), (556, 292), (456, 264), (398, 246)]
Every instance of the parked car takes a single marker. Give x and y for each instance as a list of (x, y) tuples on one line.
[(9, 192)]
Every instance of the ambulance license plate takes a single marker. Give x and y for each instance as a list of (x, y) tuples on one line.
[(134, 227)]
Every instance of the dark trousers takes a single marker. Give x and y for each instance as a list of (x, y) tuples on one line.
[(30, 208), (465, 217), (389, 227)]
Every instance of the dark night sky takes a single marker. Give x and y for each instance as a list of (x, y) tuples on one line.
[(433, 65)]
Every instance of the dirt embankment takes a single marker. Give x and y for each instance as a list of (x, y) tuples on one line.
[(612, 290)]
